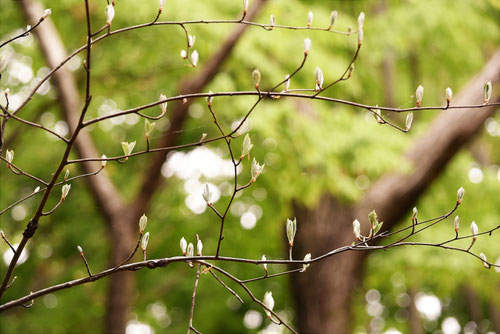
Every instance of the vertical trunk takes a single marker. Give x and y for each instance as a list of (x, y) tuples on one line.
[(414, 321)]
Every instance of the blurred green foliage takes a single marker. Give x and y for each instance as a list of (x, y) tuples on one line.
[(309, 147)]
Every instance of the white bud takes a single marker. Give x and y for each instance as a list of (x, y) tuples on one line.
[(487, 92), (409, 120), (333, 18), (128, 147), (460, 195), (307, 45), (104, 161), (163, 106), (162, 3), (318, 76), (356, 227), (268, 302), (9, 156), (199, 247), (414, 214), (310, 17), (110, 14), (485, 262), (264, 264), (210, 98), (456, 222), (306, 258), (194, 58), (256, 78), (183, 245), (144, 242), (37, 189), (378, 115), (449, 94), (47, 13), (143, 222), (474, 230), (291, 229), (183, 54), (190, 250), (191, 40), (361, 20), (360, 37), (245, 6), (256, 170), (246, 147), (65, 191), (287, 82), (272, 21), (419, 94), (28, 28), (80, 250), (148, 127), (207, 194), (6, 91), (66, 174)]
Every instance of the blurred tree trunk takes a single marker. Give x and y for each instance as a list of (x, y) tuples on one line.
[(414, 321), (323, 294)]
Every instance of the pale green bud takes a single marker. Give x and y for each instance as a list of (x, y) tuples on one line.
[(144, 242), (485, 262), (191, 40), (360, 36), (190, 250), (110, 14), (361, 20), (287, 82), (256, 170), (143, 222), (460, 195), (247, 146), (333, 18), (65, 191), (487, 92), (269, 303), (356, 227), (272, 22), (256, 78), (66, 174), (128, 147), (291, 229), (449, 94), (199, 247), (183, 245), (207, 194), (307, 45), (148, 127), (306, 258), (318, 76), (9, 156), (474, 230), (456, 222), (310, 17), (104, 161), (419, 94), (80, 250), (47, 13), (409, 120), (163, 106), (264, 264), (194, 58), (414, 214)]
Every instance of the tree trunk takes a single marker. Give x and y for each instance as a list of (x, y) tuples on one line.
[(323, 294)]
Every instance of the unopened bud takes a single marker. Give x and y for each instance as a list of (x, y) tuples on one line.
[(144, 242), (162, 3), (307, 45), (318, 76), (269, 303), (66, 174), (191, 40), (306, 265), (361, 20), (460, 195), (80, 250), (143, 222), (28, 28), (409, 120), (485, 262), (419, 94), (183, 245), (194, 58), (291, 229), (449, 94), (47, 13), (148, 127), (333, 18), (246, 147), (110, 14), (256, 78), (65, 191), (474, 230), (310, 17), (272, 22), (199, 247), (183, 54), (6, 91), (487, 91), (264, 264), (190, 250), (210, 98), (360, 37), (256, 170), (104, 161), (414, 214), (245, 6), (37, 189), (128, 147), (163, 106), (456, 222), (378, 115), (9, 156), (351, 69), (287, 82), (207, 194), (356, 227)]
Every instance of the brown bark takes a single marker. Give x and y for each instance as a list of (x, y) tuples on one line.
[(323, 294), (414, 320)]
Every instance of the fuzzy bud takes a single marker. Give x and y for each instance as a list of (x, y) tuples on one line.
[(305, 266), (409, 121), (65, 191), (449, 94), (360, 37), (456, 222), (191, 40), (474, 230), (310, 17), (66, 174), (361, 20), (485, 262), (414, 214), (307, 45), (378, 116), (183, 54), (291, 229), (144, 241), (210, 98), (163, 106), (37, 189), (460, 195), (256, 78), (264, 264), (356, 227), (207, 194), (374, 223), (9, 156), (245, 6), (110, 14), (80, 250), (199, 247), (46, 13), (487, 91), (269, 303), (183, 245), (318, 76), (246, 147), (333, 18), (419, 94), (190, 250), (143, 222), (103, 161), (162, 3), (272, 22), (194, 58)]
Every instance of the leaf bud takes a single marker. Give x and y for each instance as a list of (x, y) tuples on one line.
[(46, 13), (307, 45), (103, 161), (333, 18), (110, 14), (80, 250), (191, 40), (456, 222), (163, 105), (199, 247), (449, 94), (269, 303), (287, 82), (272, 22), (485, 262), (356, 227), (306, 265), (162, 3), (210, 98), (183, 245), (256, 170), (361, 20), (183, 54), (245, 6), (65, 191), (291, 229), (9, 156), (143, 222), (207, 194), (246, 147), (144, 242), (264, 264), (310, 17), (487, 91), (128, 147), (194, 58), (419, 94), (318, 76), (360, 37), (460, 195), (256, 78), (474, 230), (409, 120), (148, 127), (190, 250)]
